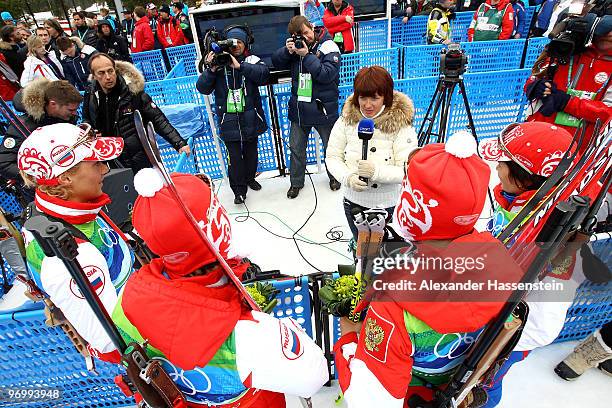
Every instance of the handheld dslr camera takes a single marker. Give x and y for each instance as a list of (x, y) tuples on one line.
[(215, 42), (299, 41), (453, 61)]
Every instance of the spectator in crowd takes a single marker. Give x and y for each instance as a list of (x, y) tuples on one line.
[(561, 7), (114, 45), (7, 19), (71, 193), (82, 30), (75, 61), (544, 16), (315, 67), (578, 90), (40, 63), (55, 31), (142, 37), (127, 25), (313, 11), (153, 15), (45, 103), (393, 140), (439, 22), (238, 104), (116, 92), (520, 18), (426, 6), (169, 31), (183, 20), (8, 47), (339, 20), (25, 31), (9, 81), (404, 9), (43, 34), (493, 20), (105, 15)]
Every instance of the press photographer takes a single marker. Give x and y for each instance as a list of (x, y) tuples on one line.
[(570, 81), (315, 64), (234, 75)]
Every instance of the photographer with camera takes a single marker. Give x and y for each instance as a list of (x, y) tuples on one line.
[(315, 65), (567, 87), (234, 76), (438, 22)]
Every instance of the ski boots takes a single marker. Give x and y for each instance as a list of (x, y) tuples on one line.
[(588, 354)]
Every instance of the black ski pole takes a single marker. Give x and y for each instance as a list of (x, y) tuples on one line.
[(13, 119), (55, 240), (566, 216)]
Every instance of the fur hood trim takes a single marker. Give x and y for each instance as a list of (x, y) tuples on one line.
[(33, 99), (398, 116), (132, 76), (5, 46)]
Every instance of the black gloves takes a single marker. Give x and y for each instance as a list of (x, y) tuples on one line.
[(555, 102)]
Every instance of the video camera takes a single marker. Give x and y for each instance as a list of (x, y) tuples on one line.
[(576, 29), (453, 61), (215, 42)]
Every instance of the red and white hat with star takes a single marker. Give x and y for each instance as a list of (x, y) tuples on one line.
[(537, 147), (167, 231), (444, 191), (52, 150)]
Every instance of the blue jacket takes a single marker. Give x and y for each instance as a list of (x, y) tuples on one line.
[(246, 125), (520, 15), (548, 6), (76, 69), (323, 64)]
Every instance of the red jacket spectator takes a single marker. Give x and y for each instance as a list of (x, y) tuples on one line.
[(142, 37), (9, 83), (335, 20), (493, 20), (169, 33)]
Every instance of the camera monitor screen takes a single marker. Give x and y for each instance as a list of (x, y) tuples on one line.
[(267, 20), (370, 8)]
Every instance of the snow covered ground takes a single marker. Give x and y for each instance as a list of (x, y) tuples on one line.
[(531, 383)]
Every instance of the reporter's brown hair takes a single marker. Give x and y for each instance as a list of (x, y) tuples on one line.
[(371, 81)]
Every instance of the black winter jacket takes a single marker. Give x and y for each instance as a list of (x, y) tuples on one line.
[(88, 36), (249, 124), (115, 46), (76, 69), (120, 120), (15, 57), (323, 63)]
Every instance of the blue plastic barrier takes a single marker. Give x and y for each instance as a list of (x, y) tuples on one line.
[(421, 61), (177, 71), (9, 203), (10, 277), (372, 35), (351, 63), (185, 53), (294, 302), (151, 64), (497, 55), (535, 46), (460, 25)]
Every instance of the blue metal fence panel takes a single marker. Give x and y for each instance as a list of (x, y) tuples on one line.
[(151, 64), (186, 53), (411, 33), (177, 71), (9, 203), (372, 35), (535, 46), (421, 61), (460, 25), (494, 55), (351, 63), (529, 12)]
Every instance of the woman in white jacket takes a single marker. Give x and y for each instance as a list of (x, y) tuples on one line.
[(388, 151), (40, 63)]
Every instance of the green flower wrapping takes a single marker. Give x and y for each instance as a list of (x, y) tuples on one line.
[(264, 294), (335, 295)]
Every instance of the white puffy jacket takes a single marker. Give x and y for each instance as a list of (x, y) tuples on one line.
[(35, 68), (393, 140)]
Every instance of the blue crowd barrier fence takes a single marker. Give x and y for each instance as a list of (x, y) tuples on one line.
[(372, 35), (185, 53), (151, 64), (351, 63), (535, 46)]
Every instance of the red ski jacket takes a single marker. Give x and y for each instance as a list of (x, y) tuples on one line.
[(169, 33), (335, 22), (591, 72), (8, 88), (507, 20), (142, 37)]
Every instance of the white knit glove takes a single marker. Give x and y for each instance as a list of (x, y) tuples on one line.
[(358, 185), (366, 169)]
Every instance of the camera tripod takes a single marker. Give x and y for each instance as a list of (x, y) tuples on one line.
[(441, 103)]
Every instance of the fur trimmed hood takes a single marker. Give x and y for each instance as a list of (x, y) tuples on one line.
[(399, 115), (33, 97), (133, 77), (5, 46)]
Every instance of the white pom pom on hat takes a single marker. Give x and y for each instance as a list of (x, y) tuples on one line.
[(147, 182), (461, 144)]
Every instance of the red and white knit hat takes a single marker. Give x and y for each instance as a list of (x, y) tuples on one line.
[(444, 190), (537, 147), (52, 150), (165, 228)]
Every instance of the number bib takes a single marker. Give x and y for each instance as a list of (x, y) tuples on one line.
[(304, 91), (565, 119), (235, 101)]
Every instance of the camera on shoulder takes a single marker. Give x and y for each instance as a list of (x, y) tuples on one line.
[(215, 42)]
